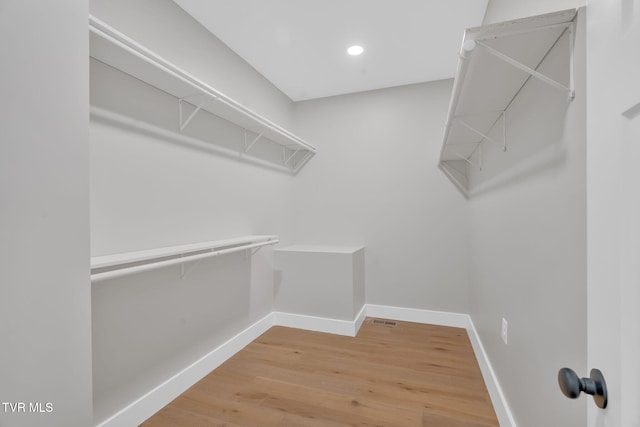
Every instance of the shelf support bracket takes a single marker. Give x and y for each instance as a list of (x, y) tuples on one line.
[(184, 269), (250, 146), (249, 252), (183, 124), (538, 75), (292, 156), (502, 144), (302, 161), (466, 159)]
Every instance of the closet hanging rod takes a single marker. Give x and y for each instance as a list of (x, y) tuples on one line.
[(151, 265), (110, 116), (264, 123), (123, 53)]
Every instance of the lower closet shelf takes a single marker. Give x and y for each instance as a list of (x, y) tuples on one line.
[(111, 266)]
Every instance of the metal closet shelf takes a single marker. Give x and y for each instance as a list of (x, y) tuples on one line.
[(111, 266), (496, 61), (115, 49)]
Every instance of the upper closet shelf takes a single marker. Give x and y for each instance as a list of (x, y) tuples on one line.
[(496, 61), (113, 48), (111, 266)]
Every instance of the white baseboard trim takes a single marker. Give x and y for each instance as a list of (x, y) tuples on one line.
[(145, 406), (499, 400), (150, 403), (442, 318), (359, 320), (321, 324), (317, 324)]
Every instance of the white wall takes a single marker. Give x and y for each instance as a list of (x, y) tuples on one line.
[(149, 190), (45, 317), (529, 245), (613, 209), (374, 182), (505, 10)]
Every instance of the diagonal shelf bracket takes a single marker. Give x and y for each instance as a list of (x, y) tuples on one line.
[(538, 75), (502, 145), (302, 161), (466, 159), (184, 269), (184, 123), (292, 156), (249, 146)]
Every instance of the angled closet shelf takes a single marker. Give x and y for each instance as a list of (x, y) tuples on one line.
[(111, 266), (115, 49), (496, 61)]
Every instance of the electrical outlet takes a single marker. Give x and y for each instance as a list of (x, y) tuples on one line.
[(505, 330)]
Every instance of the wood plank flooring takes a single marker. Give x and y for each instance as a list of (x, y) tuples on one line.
[(393, 376)]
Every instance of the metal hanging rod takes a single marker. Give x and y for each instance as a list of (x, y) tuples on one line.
[(122, 52), (247, 145), (99, 113), (182, 258), (206, 98)]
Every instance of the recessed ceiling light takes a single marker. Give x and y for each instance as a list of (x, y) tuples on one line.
[(355, 50)]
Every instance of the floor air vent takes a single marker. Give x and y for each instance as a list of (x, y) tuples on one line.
[(384, 322)]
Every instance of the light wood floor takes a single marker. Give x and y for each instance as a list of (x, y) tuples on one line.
[(407, 375)]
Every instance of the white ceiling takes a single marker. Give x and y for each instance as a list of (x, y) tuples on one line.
[(300, 45)]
